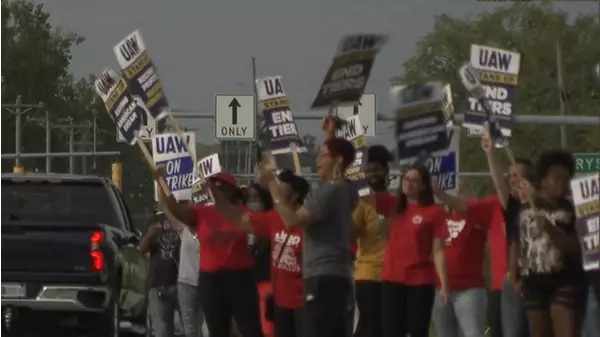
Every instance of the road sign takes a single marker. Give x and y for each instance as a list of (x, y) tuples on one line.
[(587, 162), (367, 112), (235, 117)]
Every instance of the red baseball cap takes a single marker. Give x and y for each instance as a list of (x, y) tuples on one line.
[(225, 178)]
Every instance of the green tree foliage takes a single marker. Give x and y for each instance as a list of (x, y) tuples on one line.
[(533, 31), (35, 62)]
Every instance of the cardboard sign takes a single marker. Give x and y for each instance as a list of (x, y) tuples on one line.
[(210, 165), (586, 198), (498, 72), (278, 121), (169, 151), (354, 132), (127, 112), (347, 77), (199, 195), (140, 73)]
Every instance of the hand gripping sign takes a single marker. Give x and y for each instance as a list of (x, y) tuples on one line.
[(125, 111), (423, 119), (346, 79), (469, 77)]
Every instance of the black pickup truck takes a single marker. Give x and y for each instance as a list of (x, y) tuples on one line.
[(69, 255)]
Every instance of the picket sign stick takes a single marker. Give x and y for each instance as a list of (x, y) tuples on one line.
[(296, 159), (148, 156), (181, 135)]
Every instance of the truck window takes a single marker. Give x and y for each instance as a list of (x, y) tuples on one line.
[(65, 201)]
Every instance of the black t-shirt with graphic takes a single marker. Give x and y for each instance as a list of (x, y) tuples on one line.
[(538, 254), (164, 256), (511, 217)]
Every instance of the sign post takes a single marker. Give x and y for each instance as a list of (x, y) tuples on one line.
[(235, 117), (587, 162), (366, 110)]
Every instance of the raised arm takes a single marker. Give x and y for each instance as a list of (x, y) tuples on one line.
[(181, 213), (456, 203), (497, 177), (228, 210)]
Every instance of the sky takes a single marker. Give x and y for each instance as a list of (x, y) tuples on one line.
[(202, 48)]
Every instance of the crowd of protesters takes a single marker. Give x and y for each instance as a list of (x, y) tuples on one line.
[(272, 262)]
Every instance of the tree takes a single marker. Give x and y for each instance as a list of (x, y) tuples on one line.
[(35, 62), (532, 30)]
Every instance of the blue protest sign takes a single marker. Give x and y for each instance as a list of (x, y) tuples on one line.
[(141, 74), (169, 151), (279, 124), (121, 106)]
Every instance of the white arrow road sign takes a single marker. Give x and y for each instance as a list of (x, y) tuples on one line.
[(235, 117), (366, 111)]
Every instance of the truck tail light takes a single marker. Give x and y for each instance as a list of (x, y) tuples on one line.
[(96, 258)]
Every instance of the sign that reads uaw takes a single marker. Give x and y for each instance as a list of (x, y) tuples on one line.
[(122, 108), (354, 132), (498, 72), (586, 198), (279, 121), (169, 151), (140, 72), (209, 166), (424, 119), (347, 77)]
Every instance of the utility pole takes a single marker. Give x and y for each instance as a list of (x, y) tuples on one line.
[(71, 146), (19, 110), (562, 93), (48, 128)]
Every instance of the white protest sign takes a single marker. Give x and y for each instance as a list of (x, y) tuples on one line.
[(366, 109), (586, 199), (210, 165), (169, 151)]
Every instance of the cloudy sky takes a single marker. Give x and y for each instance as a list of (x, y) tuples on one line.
[(205, 47)]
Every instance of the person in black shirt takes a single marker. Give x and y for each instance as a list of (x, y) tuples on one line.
[(162, 241), (546, 265)]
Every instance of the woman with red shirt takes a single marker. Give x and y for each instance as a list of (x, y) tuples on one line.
[(285, 267), (226, 282), (414, 251), (468, 222)]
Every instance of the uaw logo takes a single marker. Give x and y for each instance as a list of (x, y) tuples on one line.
[(454, 229)]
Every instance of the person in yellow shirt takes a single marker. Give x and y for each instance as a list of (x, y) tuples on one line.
[(367, 272)]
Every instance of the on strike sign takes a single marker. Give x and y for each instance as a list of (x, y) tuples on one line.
[(169, 151)]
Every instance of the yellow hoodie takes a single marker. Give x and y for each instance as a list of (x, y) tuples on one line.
[(370, 243)]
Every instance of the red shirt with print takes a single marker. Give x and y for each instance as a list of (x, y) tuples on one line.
[(223, 246), (465, 245), (287, 274), (408, 249), (497, 246)]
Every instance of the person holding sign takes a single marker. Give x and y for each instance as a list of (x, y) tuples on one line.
[(505, 308), (414, 252), (545, 265), (226, 282), (367, 268), (326, 221), (286, 249)]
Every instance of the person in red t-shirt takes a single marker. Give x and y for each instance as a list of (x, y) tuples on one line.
[(286, 270), (226, 283), (414, 251), (468, 222)]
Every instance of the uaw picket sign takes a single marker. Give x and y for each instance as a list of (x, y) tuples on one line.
[(366, 110), (149, 126), (210, 165), (235, 117), (586, 199), (169, 151)]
